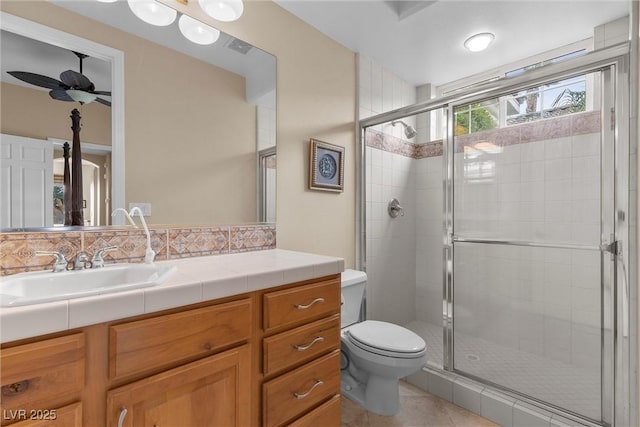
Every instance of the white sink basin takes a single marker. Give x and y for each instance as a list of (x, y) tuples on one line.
[(33, 288)]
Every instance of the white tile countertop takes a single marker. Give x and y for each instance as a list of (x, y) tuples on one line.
[(196, 280)]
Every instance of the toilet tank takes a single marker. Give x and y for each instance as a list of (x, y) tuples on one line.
[(353, 284)]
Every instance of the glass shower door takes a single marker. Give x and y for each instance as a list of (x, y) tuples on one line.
[(532, 205)]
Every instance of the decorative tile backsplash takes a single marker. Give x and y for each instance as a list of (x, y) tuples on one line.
[(17, 249)]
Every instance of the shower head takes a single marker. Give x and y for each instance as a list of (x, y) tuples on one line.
[(409, 131)]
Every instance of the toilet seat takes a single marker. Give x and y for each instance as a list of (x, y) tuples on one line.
[(386, 339)]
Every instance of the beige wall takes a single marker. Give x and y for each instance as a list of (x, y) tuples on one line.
[(32, 113), (315, 98)]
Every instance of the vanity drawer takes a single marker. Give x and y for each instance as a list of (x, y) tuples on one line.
[(300, 304), (144, 345), (301, 344), (41, 375), (294, 393), (68, 416), (327, 414)]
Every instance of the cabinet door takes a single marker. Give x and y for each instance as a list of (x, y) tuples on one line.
[(214, 391)]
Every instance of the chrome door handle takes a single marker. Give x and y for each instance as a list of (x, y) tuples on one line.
[(123, 414), (303, 395), (306, 347), (304, 307)]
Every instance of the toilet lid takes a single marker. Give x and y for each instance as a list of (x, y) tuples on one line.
[(386, 336)]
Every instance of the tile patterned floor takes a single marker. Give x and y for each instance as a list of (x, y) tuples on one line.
[(418, 409)]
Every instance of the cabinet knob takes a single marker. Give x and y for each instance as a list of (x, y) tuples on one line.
[(304, 307), (303, 395), (207, 346), (304, 347), (15, 388), (123, 414)]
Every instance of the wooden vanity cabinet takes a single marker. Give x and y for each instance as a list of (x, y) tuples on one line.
[(301, 354), (268, 358), (42, 382), (214, 391)]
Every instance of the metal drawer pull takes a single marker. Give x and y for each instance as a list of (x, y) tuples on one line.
[(304, 307), (123, 413), (306, 347), (303, 395), (15, 388)]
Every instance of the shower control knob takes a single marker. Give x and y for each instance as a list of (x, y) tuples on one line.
[(394, 209)]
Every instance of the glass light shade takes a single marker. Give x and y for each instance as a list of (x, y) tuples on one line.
[(222, 10), (478, 42), (107, 1), (152, 12), (81, 96), (196, 31)]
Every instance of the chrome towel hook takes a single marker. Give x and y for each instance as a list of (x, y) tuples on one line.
[(394, 208)]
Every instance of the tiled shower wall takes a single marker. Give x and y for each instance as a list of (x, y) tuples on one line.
[(539, 182), (17, 250), (390, 173)]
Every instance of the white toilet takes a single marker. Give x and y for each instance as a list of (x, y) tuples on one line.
[(375, 355)]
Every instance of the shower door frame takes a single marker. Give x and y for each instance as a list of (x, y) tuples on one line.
[(616, 395)]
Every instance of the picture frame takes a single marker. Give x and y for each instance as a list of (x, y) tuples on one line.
[(326, 166)]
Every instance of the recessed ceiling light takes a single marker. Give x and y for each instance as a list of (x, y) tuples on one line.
[(478, 42)]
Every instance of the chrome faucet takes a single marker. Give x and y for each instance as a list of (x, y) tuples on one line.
[(98, 257), (60, 264), (81, 261)]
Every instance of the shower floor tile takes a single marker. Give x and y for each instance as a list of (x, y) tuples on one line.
[(564, 385), (417, 409)]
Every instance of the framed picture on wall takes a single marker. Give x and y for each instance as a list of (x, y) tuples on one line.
[(326, 166)]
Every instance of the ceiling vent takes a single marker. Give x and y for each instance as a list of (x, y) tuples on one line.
[(239, 46), (405, 8)]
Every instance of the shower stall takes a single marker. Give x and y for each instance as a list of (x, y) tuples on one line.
[(510, 255)]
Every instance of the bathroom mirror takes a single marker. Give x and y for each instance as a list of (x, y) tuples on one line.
[(193, 127)]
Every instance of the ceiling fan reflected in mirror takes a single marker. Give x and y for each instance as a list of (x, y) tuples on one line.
[(73, 86)]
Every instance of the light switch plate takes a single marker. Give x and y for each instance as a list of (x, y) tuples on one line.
[(144, 207)]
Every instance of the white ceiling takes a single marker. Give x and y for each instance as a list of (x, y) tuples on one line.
[(422, 41)]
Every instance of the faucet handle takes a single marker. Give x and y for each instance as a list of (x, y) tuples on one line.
[(81, 261), (60, 264), (98, 257)]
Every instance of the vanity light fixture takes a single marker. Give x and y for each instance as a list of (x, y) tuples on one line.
[(223, 10), (107, 1), (479, 42), (81, 96), (152, 12), (196, 31)]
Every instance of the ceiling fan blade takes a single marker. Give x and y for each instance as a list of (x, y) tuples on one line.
[(101, 92), (103, 102), (76, 80), (60, 94), (38, 80)]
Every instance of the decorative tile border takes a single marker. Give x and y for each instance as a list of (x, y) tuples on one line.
[(17, 250), (556, 127), (252, 238), (189, 242), (132, 244)]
